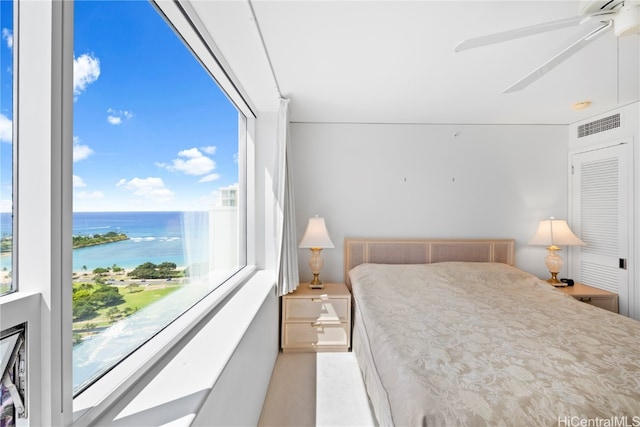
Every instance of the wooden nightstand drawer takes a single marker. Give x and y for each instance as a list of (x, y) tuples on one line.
[(608, 303), (320, 336), (319, 308), (317, 319)]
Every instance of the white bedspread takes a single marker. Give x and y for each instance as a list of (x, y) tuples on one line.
[(487, 344)]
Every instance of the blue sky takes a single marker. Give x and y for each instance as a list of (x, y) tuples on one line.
[(152, 131), (6, 108)]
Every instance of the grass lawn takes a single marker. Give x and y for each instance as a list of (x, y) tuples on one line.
[(133, 301), (145, 297)]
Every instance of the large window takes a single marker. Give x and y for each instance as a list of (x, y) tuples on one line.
[(6, 147), (12, 339), (158, 191)]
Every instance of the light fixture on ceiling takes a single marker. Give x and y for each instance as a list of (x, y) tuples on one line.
[(582, 105)]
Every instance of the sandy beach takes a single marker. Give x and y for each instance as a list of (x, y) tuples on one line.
[(121, 278)]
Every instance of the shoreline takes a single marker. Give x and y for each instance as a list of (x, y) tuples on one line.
[(81, 274)]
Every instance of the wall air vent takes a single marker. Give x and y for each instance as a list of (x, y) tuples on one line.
[(600, 125)]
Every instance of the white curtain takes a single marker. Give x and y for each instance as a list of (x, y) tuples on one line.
[(286, 244)]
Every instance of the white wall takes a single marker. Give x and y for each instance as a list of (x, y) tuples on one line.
[(450, 181)]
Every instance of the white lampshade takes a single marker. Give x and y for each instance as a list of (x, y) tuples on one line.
[(316, 235), (555, 232)]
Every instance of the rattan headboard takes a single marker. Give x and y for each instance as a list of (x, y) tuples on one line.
[(424, 251)]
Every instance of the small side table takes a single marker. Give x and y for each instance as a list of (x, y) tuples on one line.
[(317, 320), (594, 296)]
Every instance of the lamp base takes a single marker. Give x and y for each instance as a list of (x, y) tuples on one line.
[(316, 283), (554, 280), (554, 264)]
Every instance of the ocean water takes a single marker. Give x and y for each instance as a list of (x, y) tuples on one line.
[(153, 237)]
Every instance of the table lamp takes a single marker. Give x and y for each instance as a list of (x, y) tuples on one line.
[(553, 233), (316, 238)]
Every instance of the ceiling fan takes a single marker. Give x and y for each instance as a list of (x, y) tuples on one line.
[(597, 15)]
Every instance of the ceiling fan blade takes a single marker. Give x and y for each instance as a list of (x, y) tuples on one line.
[(530, 30), (565, 54)]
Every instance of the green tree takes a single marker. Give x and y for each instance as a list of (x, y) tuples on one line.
[(100, 271), (84, 286), (149, 270), (113, 314), (77, 339), (167, 266), (98, 239), (106, 296), (133, 288), (84, 309), (81, 293)]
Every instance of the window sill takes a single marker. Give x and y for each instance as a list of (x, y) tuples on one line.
[(147, 379)]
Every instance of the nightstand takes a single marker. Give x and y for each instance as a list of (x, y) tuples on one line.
[(316, 320), (594, 296)]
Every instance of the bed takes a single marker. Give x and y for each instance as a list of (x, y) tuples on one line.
[(449, 332)]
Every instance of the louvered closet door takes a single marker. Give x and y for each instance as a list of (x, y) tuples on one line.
[(600, 196)]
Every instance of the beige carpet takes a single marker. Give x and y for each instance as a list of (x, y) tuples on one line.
[(323, 389)]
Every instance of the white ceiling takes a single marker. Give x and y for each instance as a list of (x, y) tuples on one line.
[(394, 61)]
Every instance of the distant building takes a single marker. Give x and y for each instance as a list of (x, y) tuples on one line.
[(228, 196), (223, 229)]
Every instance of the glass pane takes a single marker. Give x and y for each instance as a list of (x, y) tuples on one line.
[(156, 219), (6, 147)]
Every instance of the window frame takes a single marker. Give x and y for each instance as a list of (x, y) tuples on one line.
[(43, 111)]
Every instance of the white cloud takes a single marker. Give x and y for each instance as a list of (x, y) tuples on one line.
[(150, 188), (115, 117), (6, 129), (210, 178), (7, 35), (211, 149), (190, 162), (6, 205), (78, 182), (80, 152), (89, 195), (86, 70)]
